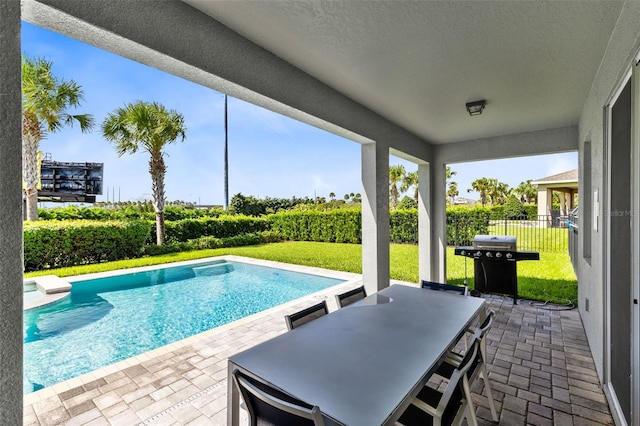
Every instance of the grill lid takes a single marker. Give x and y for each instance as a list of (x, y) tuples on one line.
[(494, 242)]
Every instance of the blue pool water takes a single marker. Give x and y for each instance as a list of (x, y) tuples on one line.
[(109, 319)]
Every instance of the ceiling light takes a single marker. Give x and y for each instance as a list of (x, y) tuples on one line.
[(476, 107)]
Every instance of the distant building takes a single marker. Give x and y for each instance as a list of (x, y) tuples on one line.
[(566, 184), (461, 201)]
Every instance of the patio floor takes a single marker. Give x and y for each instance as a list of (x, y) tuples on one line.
[(541, 373)]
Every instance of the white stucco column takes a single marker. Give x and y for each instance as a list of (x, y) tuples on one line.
[(375, 216), (567, 202), (438, 223), (10, 216), (545, 198), (424, 222)]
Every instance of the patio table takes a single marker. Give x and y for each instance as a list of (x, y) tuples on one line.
[(362, 364)]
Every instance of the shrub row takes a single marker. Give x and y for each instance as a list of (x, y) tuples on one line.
[(335, 226), (204, 243), (50, 244), (54, 244), (404, 226), (345, 226), (220, 227), (463, 224), (143, 211), (499, 212)]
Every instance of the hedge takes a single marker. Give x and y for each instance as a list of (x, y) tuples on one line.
[(204, 243), (497, 212), (218, 227), (335, 226), (54, 244), (346, 225), (404, 226), (463, 224)]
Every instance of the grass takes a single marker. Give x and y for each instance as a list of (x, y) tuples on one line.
[(550, 279)]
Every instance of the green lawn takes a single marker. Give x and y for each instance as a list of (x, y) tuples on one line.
[(550, 279)]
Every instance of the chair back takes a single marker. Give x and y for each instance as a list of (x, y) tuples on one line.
[(483, 328), (306, 315), (482, 331), (268, 406), (460, 289), (454, 393), (348, 297)]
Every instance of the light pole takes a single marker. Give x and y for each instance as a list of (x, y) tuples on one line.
[(226, 157)]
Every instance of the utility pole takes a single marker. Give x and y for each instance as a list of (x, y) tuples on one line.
[(226, 157)]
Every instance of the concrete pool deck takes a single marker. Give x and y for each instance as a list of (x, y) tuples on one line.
[(540, 368)]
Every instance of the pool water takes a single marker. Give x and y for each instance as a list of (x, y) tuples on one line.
[(109, 319), (31, 293)]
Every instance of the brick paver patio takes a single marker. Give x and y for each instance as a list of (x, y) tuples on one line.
[(540, 368)]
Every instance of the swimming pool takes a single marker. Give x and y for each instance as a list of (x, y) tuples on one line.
[(109, 319)]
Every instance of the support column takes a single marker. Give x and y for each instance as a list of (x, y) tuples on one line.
[(424, 223), (10, 215), (438, 222), (375, 216), (545, 198)]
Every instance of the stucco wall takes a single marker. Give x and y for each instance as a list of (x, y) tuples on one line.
[(10, 216), (623, 45)]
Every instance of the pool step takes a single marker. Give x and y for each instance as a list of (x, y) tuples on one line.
[(215, 269), (50, 284)]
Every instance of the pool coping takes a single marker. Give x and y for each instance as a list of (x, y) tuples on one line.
[(52, 288), (348, 277)]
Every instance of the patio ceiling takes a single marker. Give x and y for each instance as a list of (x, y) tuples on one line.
[(418, 62)]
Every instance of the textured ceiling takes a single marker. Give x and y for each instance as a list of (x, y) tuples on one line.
[(418, 62)]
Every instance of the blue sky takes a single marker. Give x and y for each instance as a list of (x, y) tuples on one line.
[(269, 154)]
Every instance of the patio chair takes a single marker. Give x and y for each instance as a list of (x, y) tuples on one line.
[(479, 368), (348, 297), (450, 288), (306, 315), (461, 289), (269, 406), (432, 407)]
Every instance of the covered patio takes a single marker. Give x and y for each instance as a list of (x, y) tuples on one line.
[(393, 77), (541, 373)]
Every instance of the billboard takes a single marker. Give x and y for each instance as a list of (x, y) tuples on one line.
[(70, 181)]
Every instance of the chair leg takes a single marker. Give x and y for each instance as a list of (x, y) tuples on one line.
[(487, 386), (471, 416), (471, 419)]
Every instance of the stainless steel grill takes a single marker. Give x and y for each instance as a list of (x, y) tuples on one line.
[(495, 258), (495, 242)]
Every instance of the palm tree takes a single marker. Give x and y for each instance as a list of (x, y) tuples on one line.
[(45, 100), (452, 191), (449, 173), (527, 191), (146, 126), (396, 175), (410, 180), (481, 186), (497, 191)]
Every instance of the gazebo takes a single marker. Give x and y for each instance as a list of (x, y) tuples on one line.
[(566, 184)]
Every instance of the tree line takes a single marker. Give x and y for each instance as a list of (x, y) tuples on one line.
[(490, 190), (150, 127)]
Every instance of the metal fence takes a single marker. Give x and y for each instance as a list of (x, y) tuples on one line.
[(546, 234), (572, 226)]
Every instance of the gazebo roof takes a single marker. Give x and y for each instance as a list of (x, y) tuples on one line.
[(570, 177)]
